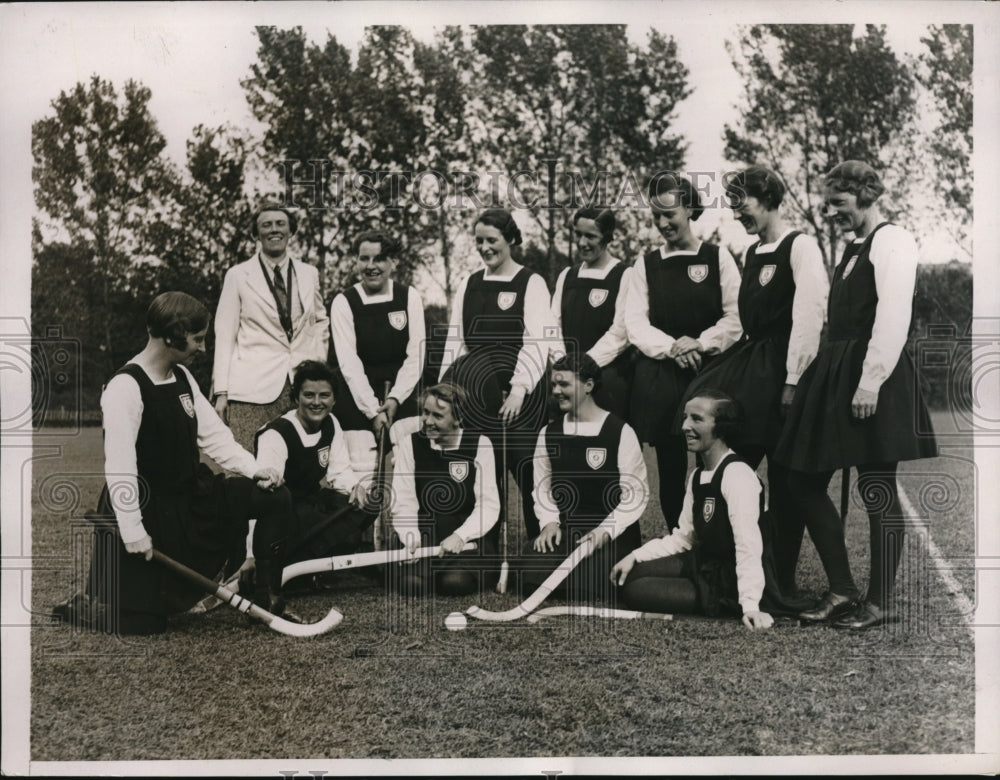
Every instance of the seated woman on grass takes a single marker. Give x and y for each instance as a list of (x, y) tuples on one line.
[(445, 493), (590, 485), (325, 502), (716, 561)]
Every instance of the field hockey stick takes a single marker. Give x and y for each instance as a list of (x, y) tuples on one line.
[(380, 557), (233, 583), (378, 537), (583, 610), (542, 592), (279, 624), (845, 487), (504, 566), (209, 603)]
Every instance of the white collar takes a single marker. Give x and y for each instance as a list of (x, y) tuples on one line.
[(377, 297), (271, 265), (599, 273), (665, 253), (501, 277), (762, 247), (439, 448)]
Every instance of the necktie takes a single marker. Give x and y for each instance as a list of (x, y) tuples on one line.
[(281, 295), (279, 283)]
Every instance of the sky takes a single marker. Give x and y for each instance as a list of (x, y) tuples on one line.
[(193, 60), (191, 87)]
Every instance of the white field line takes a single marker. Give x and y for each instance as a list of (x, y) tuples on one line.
[(966, 609)]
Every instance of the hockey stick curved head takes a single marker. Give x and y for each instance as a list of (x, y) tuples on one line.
[(287, 627), (278, 623), (542, 592), (498, 617)]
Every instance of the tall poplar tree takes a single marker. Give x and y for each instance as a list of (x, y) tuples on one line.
[(575, 105), (945, 70), (100, 176)]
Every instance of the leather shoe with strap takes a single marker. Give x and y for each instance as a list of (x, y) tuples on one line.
[(865, 616), (832, 605)]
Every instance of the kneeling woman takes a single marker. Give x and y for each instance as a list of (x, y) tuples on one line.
[(715, 561), (444, 490), (590, 484)]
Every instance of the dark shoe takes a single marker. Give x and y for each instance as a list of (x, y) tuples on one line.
[(866, 615), (266, 587), (324, 581), (831, 606), (275, 603), (82, 611), (64, 610), (291, 617), (246, 582)]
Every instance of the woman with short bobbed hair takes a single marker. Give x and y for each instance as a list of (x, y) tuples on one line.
[(498, 345), (717, 561), (681, 311), (589, 307), (782, 302), (159, 492), (859, 404), (445, 493)]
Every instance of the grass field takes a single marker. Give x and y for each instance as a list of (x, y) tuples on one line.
[(391, 683)]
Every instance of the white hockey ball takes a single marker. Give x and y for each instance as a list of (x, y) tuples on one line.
[(456, 621)]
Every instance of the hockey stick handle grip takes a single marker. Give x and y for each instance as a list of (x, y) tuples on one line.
[(208, 585), (339, 562)]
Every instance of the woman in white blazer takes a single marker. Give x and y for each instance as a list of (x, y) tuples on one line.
[(270, 318)]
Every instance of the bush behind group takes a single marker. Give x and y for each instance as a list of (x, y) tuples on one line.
[(940, 342)]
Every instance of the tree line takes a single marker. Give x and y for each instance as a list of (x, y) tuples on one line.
[(425, 131)]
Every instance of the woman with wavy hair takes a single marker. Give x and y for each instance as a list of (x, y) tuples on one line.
[(681, 312), (589, 307), (858, 404), (497, 350), (782, 303)]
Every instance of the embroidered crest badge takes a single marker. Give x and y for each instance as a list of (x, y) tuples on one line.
[(597, 297), (459, 470), (323, 456), (596, 457), (698, 273), (188, 403), (849, 267), (708, 509), (506, 299), (766, 274), (397, 319)]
